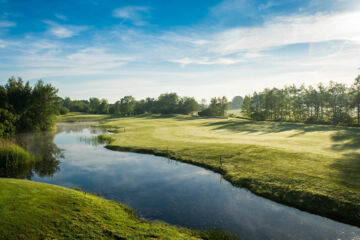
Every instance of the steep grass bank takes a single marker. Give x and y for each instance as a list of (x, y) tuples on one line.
[(312, 167), (31, 210)]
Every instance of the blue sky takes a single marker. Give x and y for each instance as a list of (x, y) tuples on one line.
[(200, 48)]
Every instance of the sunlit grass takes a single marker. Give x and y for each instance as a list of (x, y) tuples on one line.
[(31, 210), (312, 167)]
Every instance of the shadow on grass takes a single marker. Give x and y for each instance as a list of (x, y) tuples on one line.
[(269, 127), (348, 170), (344, 139), (177, 117)]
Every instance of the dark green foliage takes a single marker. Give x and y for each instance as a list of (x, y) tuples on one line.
[(63, 110), (333, 104), (7, 120), (187, 105), (167, 103), (25, 108)]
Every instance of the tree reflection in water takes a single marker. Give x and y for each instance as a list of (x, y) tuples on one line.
[(46, 154)]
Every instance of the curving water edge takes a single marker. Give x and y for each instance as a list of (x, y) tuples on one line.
[(167, 190)]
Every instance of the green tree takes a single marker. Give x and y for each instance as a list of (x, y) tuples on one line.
[(94, 105), (168, 103), (188, 105), (217, 107), (103, 107), (127, 105)]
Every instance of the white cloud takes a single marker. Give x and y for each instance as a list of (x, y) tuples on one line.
[(133, 14), (64, 31), (206, 61), (290, 30), (124, 61)]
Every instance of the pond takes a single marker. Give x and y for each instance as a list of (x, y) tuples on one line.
[(167, 190)]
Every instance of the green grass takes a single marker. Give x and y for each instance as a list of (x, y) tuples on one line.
[(31, 210), (312, 167), (12, 155), (84, 117)]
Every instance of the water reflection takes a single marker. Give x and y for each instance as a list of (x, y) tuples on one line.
[(171, 191), (46, 154)]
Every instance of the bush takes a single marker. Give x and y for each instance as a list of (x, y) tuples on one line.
[(64, 110), (259, 116), (206, 112)]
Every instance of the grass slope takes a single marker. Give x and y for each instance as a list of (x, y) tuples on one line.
[(312, 167), (31, 210)]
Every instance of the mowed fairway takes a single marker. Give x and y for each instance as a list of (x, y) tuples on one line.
[(312, 167)]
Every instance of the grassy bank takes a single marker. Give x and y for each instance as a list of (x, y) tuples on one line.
[(84, 117), (31, 210), (312, 167), (12, 155)]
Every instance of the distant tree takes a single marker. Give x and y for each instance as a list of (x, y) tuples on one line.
[(103, 107), (139, 107), (203, 104), (217, 107), (127, 105), (187, 105), (94, 105), (246, 107), (236, 102), (167, 103), (150, 106)]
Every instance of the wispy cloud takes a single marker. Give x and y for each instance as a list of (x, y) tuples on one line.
[(134, 14), (60, 16), (206, 61), (289, 30), (64, 31), (6, 24)]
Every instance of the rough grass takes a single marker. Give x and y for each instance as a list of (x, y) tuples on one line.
[(312, 167), (31, 210), (12, 155)]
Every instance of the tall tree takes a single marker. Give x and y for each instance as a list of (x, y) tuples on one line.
[(356, 97)]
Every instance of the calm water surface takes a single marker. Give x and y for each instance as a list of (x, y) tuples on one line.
[(174, 192)]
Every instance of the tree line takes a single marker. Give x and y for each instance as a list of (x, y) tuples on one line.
[(26, 108), (333, 104), (166, 103)]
